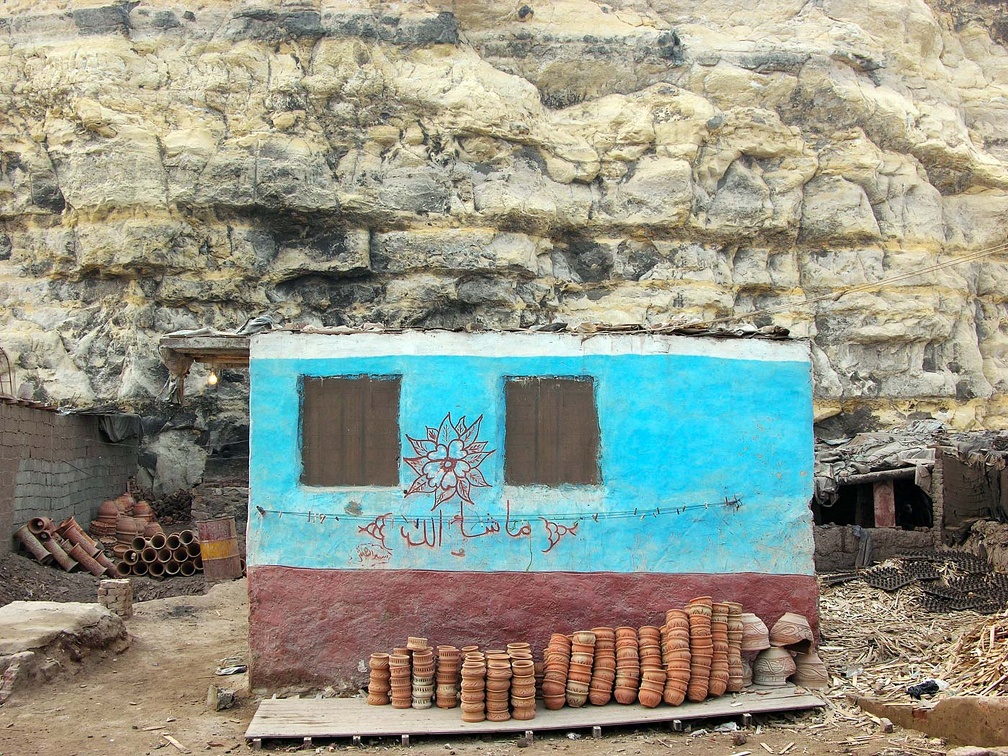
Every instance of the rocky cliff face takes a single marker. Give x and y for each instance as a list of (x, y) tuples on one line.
[(464, 163)]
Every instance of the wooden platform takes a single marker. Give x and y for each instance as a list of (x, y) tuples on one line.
[(306, 718)]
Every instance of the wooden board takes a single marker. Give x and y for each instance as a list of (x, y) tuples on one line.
[(299, 718)]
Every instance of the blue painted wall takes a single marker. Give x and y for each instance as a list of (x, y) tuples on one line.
[(680, 435)]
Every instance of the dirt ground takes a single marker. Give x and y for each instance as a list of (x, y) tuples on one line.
[(128, 703)]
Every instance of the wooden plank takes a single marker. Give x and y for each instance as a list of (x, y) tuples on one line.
[(349, 717)]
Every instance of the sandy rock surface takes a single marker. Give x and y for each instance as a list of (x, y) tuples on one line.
[(455, 164)]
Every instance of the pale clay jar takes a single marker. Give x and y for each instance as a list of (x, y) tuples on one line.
[(773, 667)]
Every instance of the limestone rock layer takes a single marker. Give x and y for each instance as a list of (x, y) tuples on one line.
[(836, 167)]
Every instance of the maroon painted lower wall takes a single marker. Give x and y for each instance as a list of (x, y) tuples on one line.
[(314, 627)]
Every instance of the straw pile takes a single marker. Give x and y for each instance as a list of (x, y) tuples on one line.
[(877, 643)]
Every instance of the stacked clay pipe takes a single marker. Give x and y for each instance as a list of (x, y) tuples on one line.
[(67, 544), (676, 656), (162, 555)]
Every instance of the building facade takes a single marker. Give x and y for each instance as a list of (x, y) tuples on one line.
[(489, 487)]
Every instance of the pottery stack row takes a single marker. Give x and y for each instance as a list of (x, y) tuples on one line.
[(423, 672), (603, 666), (523, 688), (701, 647), (675, 635), (473, 686), (498, 686), (579, 674), (736, 675), (447, 677), (627, 681), (652, 670), (379, 685), (556, 664), (400, 679), (719, 638)]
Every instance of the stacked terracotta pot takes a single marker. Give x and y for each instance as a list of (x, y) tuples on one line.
[(719, 637), (556, 664), (603, 666), (423, 673), (498, 686), (676, 656), (579, 674), (103, 526), (523, 689), (790, 635), (449, 663), (378, 684), (701, 647), (473, 686), (652, 671), (627, 665), (400, 680), (735, 672)]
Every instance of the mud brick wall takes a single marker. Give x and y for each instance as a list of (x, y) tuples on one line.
[(56, 466), (836, 546)]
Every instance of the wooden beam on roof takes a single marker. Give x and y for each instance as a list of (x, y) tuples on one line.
[(224, 350)]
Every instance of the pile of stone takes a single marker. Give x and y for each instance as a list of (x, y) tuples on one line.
[(117, 596)]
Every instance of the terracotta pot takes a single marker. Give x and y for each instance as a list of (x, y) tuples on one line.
[(793, 631), (773, 667), (810, 671), (755, 636)]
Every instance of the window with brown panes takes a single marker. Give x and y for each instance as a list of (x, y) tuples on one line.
[(551, 432), (350, 431)]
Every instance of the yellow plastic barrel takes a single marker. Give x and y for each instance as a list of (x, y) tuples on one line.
[(219, 549)]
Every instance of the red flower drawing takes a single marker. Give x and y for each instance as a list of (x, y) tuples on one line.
[(448, 461)]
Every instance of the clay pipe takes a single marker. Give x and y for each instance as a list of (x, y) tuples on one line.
[(180, 554), (187, 569), (32, 544), (138, 543), (53, 547), (186, 536), (149, 555), (171, 568), (174, 541), (86, 560), (158, 540), (156, 570), (41, 525), (140, 568), (123, 569), (105, 562), (193, 549)]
